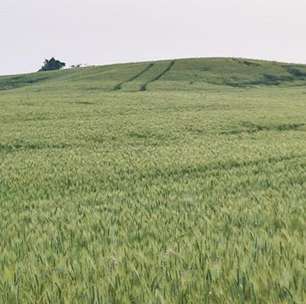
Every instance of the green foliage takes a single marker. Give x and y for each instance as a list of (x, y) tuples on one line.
[(297, 72), (183, 193), (51, 65)]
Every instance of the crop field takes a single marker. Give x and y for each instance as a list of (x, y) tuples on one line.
[(169, 182)]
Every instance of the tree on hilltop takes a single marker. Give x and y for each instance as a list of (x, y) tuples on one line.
[(51, 65)]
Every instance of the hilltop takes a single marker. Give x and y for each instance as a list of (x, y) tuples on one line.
[(184, 74)]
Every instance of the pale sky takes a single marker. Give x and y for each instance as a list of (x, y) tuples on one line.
[(111, 31)]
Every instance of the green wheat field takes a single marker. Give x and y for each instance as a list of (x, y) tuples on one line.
[(166, 182)]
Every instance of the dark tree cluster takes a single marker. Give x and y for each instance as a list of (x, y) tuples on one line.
[(52, 64)]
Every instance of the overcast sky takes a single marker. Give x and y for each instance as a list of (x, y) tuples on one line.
[(108, 31)]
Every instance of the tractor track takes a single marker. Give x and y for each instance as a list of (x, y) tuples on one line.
[(159, 76), (119, 85)]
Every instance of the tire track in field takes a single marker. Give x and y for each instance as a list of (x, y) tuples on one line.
[(159, 76), (119, 85)]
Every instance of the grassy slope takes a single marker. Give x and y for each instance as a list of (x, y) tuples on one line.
[(187, 74), (192, 191)]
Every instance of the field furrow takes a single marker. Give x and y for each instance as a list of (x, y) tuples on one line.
[(119, 86), (158, 77)]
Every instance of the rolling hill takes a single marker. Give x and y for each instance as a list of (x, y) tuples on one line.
[(188, 74), (179, 181)]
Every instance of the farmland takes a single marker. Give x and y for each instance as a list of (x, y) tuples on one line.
[(168, 182)]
